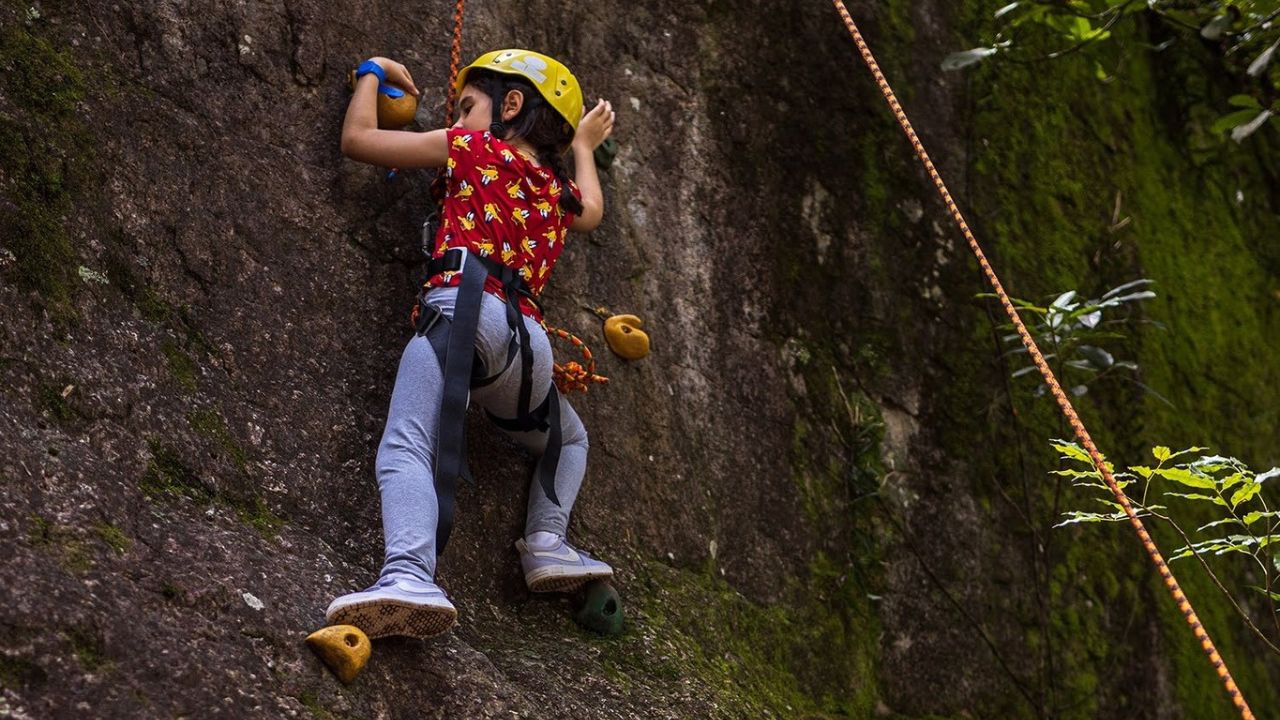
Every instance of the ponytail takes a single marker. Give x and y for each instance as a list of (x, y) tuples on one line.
[(549, 155)]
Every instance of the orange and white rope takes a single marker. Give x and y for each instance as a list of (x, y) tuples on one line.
[(1179, 597)]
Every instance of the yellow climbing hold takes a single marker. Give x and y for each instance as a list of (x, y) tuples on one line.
[(625, 337), (344, 648)]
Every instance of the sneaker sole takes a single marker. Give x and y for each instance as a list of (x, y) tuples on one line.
[(384, 618), (558, 580)]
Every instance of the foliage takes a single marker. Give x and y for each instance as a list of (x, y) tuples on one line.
[(1071, 333), (1246, 525), (1245, 34)]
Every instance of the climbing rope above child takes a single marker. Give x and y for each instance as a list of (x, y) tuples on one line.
[(508, 202)]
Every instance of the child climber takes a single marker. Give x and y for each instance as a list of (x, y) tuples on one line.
[(507, 205)]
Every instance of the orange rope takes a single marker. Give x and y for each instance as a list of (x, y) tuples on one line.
[(455, 59), (573, 376), (1184, 605)]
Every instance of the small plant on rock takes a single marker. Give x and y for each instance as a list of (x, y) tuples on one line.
[(1246, 524)]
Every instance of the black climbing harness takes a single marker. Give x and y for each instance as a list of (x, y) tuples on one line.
[(453, 340)]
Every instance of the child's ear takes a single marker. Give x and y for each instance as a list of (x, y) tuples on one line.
[(512, 104)]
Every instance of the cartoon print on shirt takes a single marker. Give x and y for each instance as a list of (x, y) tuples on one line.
[(505, 209)]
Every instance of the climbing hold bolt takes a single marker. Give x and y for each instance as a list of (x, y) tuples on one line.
[(625, 337), (344, 648)]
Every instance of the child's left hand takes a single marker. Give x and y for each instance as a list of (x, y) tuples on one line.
[(397, 75), (595, 126)]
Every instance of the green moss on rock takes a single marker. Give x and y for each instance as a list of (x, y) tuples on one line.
[(810, 656), (1061, 160), (44, 149), (114, 537), (209, 423), (181, 366)]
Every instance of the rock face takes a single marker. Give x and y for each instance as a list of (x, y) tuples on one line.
[(818, 489)]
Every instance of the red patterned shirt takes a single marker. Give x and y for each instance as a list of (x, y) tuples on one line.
[(501, 206)]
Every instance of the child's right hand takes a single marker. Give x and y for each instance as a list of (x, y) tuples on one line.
[(397, 75), (596, 125)]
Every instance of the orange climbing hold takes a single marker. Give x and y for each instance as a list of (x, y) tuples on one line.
[(625, 337)]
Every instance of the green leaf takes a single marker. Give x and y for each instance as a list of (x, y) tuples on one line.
[(1161, 453), (1072, 451), (1076, 473), (1142, 470), (1006, 10), (1096, 356), (1245, 494), (1240, 132), (1257, 515), (1084, 517), (1194, 496), (1216, 28), (1232, 480), (1121, 288), (1231, 121), (965, 58), (1189, 450), (1244, 101), (1260, 63), (1186, 477), (1273, 595), (1081, 30), (1216, 523)]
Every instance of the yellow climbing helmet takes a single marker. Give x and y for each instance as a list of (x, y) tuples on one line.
[(557, 85)]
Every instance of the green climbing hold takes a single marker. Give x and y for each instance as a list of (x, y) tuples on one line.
[(605, 153), (600, 609)]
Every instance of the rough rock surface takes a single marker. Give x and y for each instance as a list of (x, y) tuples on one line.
[(204, 304)]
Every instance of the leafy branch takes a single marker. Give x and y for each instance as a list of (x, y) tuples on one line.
[(1244, 33), (1247, 525), (1073, 331)]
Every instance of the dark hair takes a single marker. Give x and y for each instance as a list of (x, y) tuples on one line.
[(537, 123)]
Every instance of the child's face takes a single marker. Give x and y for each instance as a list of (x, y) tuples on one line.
[(474, 111)]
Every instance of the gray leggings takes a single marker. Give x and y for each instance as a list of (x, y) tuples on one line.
[(406, 456)]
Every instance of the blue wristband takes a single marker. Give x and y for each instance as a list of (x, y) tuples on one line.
[(369, 66)]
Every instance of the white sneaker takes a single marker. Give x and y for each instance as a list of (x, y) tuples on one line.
[(395, 606), (558, 567)]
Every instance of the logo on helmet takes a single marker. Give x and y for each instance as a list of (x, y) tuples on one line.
[(534, 68)]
